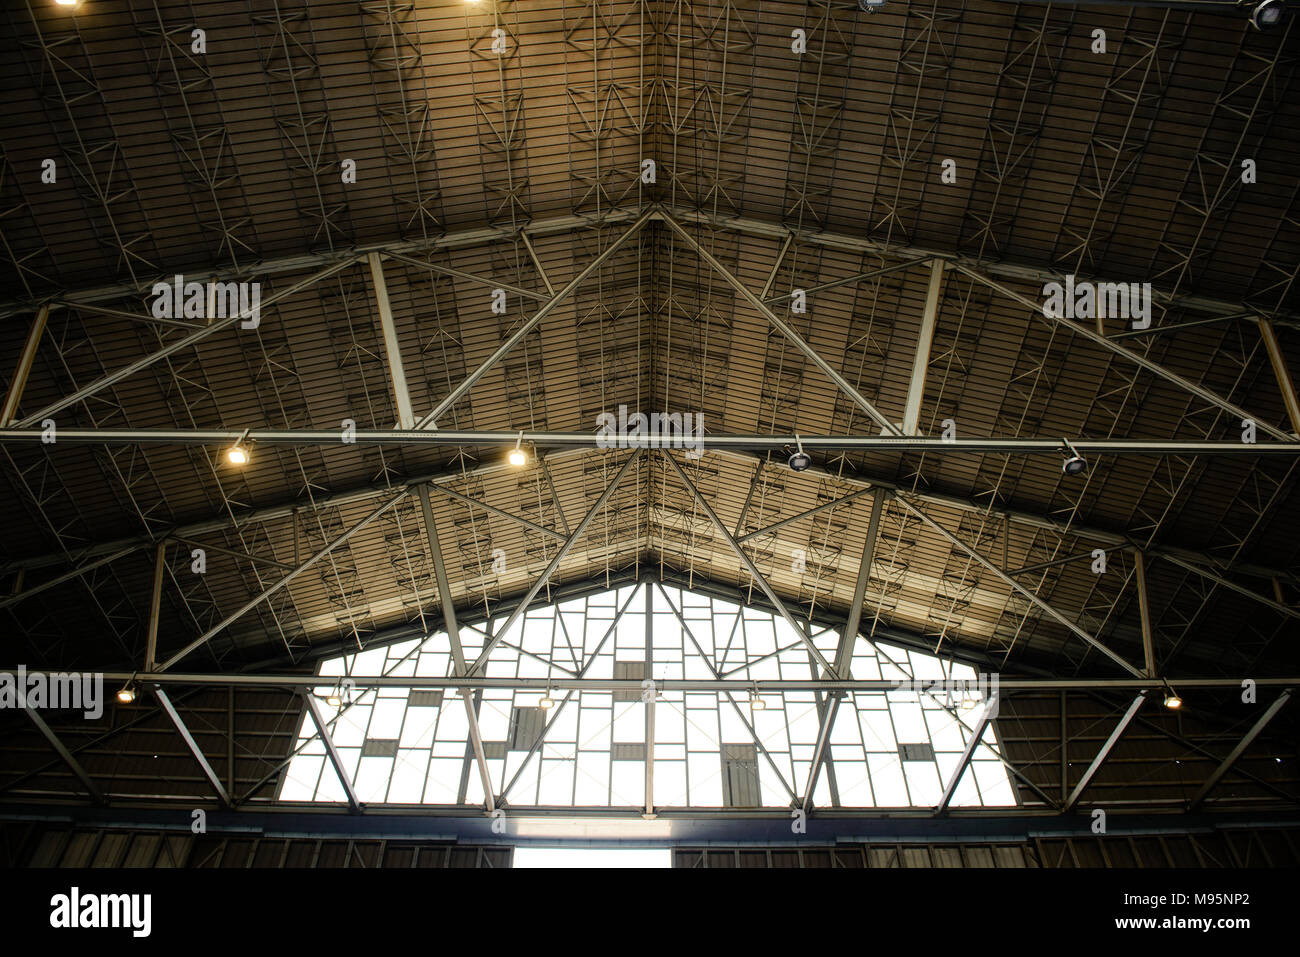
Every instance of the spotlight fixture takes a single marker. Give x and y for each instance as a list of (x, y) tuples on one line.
[(1074, 464), (1267, 14), (870, 6), (333, 700), (755, 702), (800, 461), (126, 695), (518, 457), (238, 453), (547, 701), (1172, 701)]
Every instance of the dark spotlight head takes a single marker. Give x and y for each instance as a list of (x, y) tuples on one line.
[(870, 6), (1267, 14), (1074, 464), (800, 461)]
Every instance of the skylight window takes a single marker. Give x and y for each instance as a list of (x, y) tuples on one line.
[(887, 748)]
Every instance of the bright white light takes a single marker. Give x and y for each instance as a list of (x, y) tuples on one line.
[(65, 3), (518, 457), (1173, 702), (237, 455), (126, 695), (591, 857), (547, 702)]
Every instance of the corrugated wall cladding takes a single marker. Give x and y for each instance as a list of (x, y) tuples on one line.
[(35, 845), (1248, 847)]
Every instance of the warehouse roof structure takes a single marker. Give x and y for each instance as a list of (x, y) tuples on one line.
[(413, 346)]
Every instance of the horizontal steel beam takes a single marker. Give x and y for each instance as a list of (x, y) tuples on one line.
[(690, 827), (932, 445), (775, 685)]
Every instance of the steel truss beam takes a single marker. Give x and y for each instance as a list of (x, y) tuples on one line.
[(1200, 392), (1104, 753), (748, 442), (194, 338), (1240, 749), (848, 638), (524, 329), (468, 238), (452, 628), (459, 239), (784, 327), (1031, 274), (62, 750), (193, 746), (740, 553), (1015, 585), (1006, 685), (207, 636), (985, 718), (335, 759), (481, 661)]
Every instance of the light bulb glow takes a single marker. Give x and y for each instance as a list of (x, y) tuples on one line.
[(518, 457), (126, 695), (237, 455), (546, 703), (1173, 702)]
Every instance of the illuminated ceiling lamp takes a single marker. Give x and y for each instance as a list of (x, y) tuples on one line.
[(126, 694), (870, 6), (518, 457), (756, 703), (1172, 701), (238, 454)]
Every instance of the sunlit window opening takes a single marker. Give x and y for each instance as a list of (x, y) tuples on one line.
[(891, 748), (592, 857)]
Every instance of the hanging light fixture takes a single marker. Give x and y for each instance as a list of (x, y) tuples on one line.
[(126, 694), (518, 457), (1172, 701), (800, 461), (1074, 464), (756, 703), (238, 454), (1267, 14)]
